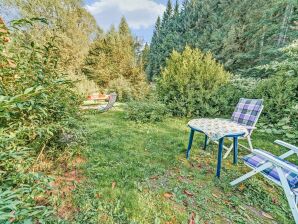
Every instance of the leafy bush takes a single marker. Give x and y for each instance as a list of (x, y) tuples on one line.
[(141, 111), (37, 107), (128, 90), (189, 81), (224, 100), (280, 94)]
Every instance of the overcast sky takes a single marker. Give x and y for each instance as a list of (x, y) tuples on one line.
[(140, 14)]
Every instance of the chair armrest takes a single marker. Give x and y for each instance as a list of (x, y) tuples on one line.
[(275, 161), (287, 145)]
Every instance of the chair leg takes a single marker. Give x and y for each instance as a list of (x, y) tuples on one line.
[(251, 173), (190, 143), (219, 157), (206, 142), (250, 143), (289, 194), (235, 154)]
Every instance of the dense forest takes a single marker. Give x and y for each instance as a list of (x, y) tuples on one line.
[(240, 34)]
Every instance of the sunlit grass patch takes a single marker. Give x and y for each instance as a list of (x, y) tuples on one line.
[(137, 173)]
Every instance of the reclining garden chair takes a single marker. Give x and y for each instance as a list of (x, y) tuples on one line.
[(276, 169), (112, 101), (246, 113)]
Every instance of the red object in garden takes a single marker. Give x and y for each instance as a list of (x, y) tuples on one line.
[(98, 97)]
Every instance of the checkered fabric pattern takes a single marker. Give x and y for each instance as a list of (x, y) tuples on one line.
[(247, 111), (255, 161)]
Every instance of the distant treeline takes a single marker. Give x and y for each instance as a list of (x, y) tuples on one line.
[(241, 34)]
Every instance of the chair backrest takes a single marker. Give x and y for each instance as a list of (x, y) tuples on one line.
[(247, 111), (112, 101)]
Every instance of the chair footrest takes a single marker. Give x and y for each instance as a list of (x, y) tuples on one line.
[(254, 161)]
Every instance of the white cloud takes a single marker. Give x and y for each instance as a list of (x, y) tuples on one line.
[(139, 13)]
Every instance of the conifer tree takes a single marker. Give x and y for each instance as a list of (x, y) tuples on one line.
[(168, 13), (157, 25), (176, 10), (124, 28), (145, 56), (241, 34), (112, 63)]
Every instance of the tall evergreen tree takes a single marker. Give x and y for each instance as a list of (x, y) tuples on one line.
[(168, 13), (176, 10), (112, 62), (157, 25), (144, 58), (241, 34), (123, 27)]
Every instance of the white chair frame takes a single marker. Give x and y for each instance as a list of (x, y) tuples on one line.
[(248, 137), (112, 101), (279, 164)]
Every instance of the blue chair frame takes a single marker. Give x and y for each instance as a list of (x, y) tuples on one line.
[(220, 147)]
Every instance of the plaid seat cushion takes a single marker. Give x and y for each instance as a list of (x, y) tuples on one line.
[(247, 111), (255, 161)]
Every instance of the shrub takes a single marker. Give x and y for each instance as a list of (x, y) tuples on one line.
[(37, 106), (224, 100), (150, 111), (129, 90), (189, 81), (280, 94), (122, 87)]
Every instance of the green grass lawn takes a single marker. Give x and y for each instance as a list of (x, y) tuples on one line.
[(137, 173)]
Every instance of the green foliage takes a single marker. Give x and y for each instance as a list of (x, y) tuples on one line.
[(286, 63), (224, 100), (154, 183), (241, 34), (70, 23), (111, 63), (280, 94), (189, 81), (144, 57), (146, 111), (37, 107)]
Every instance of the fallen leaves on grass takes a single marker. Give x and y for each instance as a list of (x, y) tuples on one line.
[(274, 201), (181, 178), (241, 187), (200, 165), (188, 193), (98, 195), (192, 218), (215, 195), (154, 178), (168, 195), (266, 215)]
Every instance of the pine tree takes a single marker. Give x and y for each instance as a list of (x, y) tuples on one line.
[(168, 13), (242, 34), (144, 58), (124, 28), (176, 10), (151, 66), (112, 63), (157, 25)]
